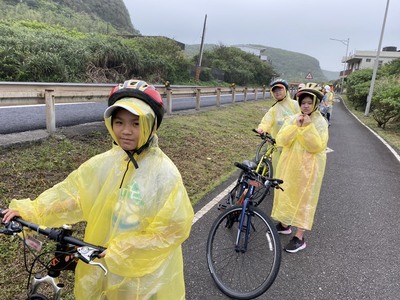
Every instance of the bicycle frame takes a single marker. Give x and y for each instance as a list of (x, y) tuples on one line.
[(262, 167), (250, 180), (245, 217)]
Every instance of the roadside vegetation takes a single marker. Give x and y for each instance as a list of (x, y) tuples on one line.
[(385, 102)]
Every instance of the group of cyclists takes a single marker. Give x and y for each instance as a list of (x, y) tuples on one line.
[(301, 134)]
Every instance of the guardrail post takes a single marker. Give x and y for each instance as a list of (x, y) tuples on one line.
[(218, 97), (198, 93), (233, 93), (264, 91), (255, 94), (169, 101), (50, 111), (245, 94)]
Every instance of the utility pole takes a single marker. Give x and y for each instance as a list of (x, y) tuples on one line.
[(371, 87), (346, 43), (198, 68)]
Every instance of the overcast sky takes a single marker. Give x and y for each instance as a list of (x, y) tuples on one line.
[(300, 26)]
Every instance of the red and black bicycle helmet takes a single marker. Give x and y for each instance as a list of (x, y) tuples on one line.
[(140, 90)]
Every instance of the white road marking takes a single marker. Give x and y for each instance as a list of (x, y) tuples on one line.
[(213, 202)]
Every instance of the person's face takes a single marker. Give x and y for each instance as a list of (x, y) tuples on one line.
[(306, 106), (279, 93), (126, 128)]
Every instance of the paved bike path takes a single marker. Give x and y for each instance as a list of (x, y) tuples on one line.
[(353, 250)]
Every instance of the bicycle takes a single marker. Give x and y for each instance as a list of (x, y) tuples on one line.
[(64, 257), (263, 163), (242, 238)]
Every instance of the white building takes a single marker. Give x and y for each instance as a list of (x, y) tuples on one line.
[(260, 53), (366, 59)]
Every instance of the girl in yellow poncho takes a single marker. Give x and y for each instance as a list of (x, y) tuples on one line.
[(133, 200), (304, 139), (276, 115)]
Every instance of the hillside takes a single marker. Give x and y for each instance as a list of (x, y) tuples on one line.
[(292, 66), (330, 75), (95, 16)]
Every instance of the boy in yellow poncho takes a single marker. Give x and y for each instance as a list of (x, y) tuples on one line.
[(304, 138), (133, 200), (279, 111)]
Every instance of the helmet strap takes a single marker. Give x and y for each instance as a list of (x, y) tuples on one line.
[(141, 149)]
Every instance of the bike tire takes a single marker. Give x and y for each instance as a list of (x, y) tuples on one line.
[(236, 273), (261, 150)]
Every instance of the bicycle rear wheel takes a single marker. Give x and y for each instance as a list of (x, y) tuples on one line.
[(248, 274)]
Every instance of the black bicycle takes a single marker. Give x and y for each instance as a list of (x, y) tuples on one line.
[(243, 246), (68, 250)]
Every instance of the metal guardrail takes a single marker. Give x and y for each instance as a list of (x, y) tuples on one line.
[(31, 93)]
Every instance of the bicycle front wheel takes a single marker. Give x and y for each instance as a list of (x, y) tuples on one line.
[(243, 274), (261, 150)]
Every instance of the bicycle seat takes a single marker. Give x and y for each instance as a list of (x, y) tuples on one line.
[(250, 164)]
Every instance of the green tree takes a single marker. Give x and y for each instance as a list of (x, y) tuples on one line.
[(386, 100), (357, 85), (239, 67), (391, 68)]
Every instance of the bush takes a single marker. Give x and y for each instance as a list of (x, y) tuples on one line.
[(385, 103)]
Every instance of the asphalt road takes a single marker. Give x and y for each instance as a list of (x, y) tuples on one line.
[(15, 119), (353, 250)]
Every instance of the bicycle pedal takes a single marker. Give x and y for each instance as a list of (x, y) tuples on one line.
[(221, 206)]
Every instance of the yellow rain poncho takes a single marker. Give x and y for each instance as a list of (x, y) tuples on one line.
[(275, 117), (142, 223), (302, 167)]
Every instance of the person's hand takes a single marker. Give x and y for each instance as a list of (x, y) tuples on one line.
[(102, 254), (260, 131), (300, 120), (9, 214), (306, 120)]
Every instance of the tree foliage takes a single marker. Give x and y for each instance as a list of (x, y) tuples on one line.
[(385, 104), (237, 66), (357, 85)]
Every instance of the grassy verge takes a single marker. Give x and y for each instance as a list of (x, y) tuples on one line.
[(391, 134)]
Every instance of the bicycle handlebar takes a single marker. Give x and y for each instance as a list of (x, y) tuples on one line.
[(56, 234), (273, 182), (265, 136)]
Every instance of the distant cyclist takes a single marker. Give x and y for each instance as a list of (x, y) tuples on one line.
[(279, 111), (328, 100)]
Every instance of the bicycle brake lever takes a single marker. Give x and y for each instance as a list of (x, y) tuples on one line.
[(86, 254), (99, 265)]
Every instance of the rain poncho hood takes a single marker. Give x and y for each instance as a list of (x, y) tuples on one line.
[(141, 216), (275, 117), (301, 166)]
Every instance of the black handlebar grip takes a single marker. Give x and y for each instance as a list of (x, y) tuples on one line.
[(241, 166)]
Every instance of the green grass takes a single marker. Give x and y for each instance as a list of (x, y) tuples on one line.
[(204, 145)]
